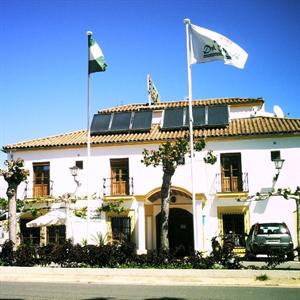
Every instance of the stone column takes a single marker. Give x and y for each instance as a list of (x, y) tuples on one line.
[(141, 241), (199, 215)]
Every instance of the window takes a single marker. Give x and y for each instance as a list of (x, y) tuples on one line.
[(41, 179), (119, 176), (121, 229), (79, 164), (29, 235), (275, 155), (231, 172), (56, 234)]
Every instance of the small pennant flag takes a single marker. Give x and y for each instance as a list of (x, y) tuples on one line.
[(96, 57), (152, 91), (207, 45)]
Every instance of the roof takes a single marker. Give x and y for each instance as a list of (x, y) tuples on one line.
[(258, 126), (184, 103)]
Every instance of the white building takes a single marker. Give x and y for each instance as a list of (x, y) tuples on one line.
[(245, 138)]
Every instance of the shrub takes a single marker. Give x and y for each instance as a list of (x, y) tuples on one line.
[(44, 256), (198, 261), (262, 277), (110, 256), (275, 258), (61, 253), (7, 253), (25, 256)]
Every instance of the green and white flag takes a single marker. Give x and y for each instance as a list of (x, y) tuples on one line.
[(207, 45), (96, 57)]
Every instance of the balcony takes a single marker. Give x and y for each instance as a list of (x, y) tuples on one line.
[(112, 187), (38, 190), (232, 184)]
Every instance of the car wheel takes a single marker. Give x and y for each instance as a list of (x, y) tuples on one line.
[(290, 256), (250, 256)]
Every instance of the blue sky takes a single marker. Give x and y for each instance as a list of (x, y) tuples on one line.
[(43, 57)]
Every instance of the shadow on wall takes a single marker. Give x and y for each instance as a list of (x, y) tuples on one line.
[(261, 206)]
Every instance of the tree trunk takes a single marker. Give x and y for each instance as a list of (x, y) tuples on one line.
[(298, 225), (12, 213), (165, 204)]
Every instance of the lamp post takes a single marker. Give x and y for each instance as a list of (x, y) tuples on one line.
[(278, 162), (74, 173)]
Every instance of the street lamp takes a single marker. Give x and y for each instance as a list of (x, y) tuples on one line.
[(278, 166), (74, 173)]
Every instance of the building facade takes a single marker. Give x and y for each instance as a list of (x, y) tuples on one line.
[(245, 139)]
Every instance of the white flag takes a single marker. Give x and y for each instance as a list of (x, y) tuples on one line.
[(207, 45), (152, 91)]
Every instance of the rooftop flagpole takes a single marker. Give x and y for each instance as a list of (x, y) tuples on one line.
[(89, 34), (195, 227), (148, 89)]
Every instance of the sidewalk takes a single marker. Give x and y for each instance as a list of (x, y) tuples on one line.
[(282, 278)]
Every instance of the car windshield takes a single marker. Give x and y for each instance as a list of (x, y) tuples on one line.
[(272, 229)]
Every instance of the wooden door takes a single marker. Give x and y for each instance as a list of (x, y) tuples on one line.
[(231, 172), (41, 179), (119, 177)]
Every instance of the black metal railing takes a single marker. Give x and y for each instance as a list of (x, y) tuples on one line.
[(112, 187), (38, 190), (231, 184)]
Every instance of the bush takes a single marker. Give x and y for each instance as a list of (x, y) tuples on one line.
[(110, 256), (25, 256), (61, 254), (197, 261), (7, 253), (44, 257)]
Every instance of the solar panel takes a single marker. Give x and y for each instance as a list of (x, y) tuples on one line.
[(100, 123), (121, 121), (217, 115), (142, 120), (199, 116), (174, 118)]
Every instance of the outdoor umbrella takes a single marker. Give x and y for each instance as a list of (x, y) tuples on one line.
[(54, 217)]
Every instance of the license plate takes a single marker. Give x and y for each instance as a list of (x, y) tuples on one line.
[(273, 241)]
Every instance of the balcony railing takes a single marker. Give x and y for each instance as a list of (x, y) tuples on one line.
[(112, 187), (38, 190), (232, 184)]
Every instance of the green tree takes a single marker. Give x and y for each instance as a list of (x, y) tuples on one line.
[(168, 156), (14, 174)]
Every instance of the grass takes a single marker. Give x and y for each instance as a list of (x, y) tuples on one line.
[(262, 277)]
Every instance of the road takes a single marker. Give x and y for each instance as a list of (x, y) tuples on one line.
[(85, 291)]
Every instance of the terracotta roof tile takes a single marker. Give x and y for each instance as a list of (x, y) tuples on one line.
[(236, 127), (258, 126), (183, 103)]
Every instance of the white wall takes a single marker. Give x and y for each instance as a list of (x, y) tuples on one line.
[(256, 161)]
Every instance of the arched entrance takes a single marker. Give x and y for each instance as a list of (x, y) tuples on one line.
[(181, 237)]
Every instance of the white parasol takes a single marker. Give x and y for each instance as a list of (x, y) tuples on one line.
[(54, 217)]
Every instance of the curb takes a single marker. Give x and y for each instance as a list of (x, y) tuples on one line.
[(184, 277)]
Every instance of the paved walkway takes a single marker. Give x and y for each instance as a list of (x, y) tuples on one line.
[(282, 278)]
